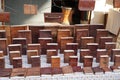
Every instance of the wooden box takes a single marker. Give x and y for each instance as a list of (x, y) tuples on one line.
[(35, 61), (25, 34), (99, 53), (104, 61), (85, 40), (114, 52), (86, 5), (51, 52), (93, 48), (64, 41), (67, 69), (1, 54), (98, 70), (46, 71), (101, 33), (18, 72), (56, 71), (31, 53), (4, 16), (13, 54), (34, 71), (87, 61), (88, 70), (84, 52), (3, 45), (17, 62), (2, 62), (117, 60), (102, 41), (15, 47), (43, 42), (72, 46), (67, 54), (73, 61), (53, 17), (45, 33), (2, 33), (109, 46), (34, 46), (23, 42), (52, 46), (55, 61), (81, 33), (6, 72), (62, 33)]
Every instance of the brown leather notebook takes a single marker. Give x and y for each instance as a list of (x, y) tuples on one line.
[(46, 70), (97, 70), (57, 71), (87, 70)]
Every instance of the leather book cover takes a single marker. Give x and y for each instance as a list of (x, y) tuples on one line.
[(4, 16), (25, 34), (85, 40), (93, 48), (67, 54), (2, 33), (86, 5), (102, 41), (117, 60), (114, 52), (72, 46), (35, 46), (109, 46), (43, 42), (101, 33), (3, 45), (34, 71), (84, 52), (64, 41), (97, 70), (88, 61), (104, 61), (67, 69), (73, 61), (21, 41), (51, 52), (5, 72), (57, 71), (87, 70), (46, 70), (45, 34)]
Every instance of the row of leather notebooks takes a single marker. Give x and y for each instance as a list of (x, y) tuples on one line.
[(37, 71)]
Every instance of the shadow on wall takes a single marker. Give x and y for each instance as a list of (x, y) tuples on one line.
[(17, 16)]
